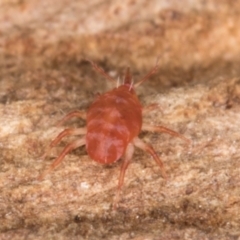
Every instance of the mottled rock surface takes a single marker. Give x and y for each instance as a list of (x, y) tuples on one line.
[(44, 75)]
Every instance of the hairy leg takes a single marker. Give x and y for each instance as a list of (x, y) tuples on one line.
[(77, 143), (65, 132), (150, 128), (127, 158), (148, 75), (101, 71), (151, 107), (148, 148), (76, 113)]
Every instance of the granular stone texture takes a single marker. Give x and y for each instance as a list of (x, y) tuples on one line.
[(44, 74)]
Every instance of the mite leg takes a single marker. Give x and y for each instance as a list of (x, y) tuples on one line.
[(70, 115), (66, 132), (77, 143), (151, 107), (147, 127), (127, 158), (148, 148), (101, 71), (149, 74)]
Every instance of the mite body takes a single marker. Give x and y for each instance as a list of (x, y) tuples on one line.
[(113, 123)]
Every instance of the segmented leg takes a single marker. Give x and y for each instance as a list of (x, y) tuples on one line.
[(147, 127), (151, 107), (66, 132), (148, 75), (66, 150), (127, 158), (148, 148), (101, 71), (70, 115)]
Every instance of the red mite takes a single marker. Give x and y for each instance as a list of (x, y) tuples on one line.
[(114, 121)]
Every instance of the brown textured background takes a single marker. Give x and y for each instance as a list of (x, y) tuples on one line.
[(43, 75)]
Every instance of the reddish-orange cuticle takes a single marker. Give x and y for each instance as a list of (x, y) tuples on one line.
[(113, 120)]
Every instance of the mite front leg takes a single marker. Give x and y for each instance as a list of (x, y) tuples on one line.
[(127, 158), (66, 150), (101, 71), (79, 114), (150, 128), (151, 107), (148, 148)]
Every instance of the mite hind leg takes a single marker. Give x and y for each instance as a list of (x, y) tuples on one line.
[(161, 129), (148, 148), (65, 132), (77, 143), (126, 161)]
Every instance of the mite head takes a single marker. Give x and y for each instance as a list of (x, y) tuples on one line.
[(128, 77)]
